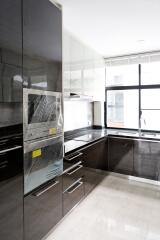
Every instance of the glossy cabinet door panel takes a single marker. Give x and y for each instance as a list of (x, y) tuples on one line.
[(147, 159), (92, 178), (120, 155), (12, 83), (11, 195), (11, 51), (43, 210), (73, 195), (42, 45), (95, 155)]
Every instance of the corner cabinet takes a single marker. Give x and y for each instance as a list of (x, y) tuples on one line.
[(147, 159)]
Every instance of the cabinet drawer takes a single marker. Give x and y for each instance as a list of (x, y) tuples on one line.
[(73, 195), (72, 175), (73, 158), (43, 210)]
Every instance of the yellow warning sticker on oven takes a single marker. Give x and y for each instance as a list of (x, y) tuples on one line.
[(36, 153), (52, 130)]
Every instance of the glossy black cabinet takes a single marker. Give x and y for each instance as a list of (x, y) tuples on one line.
[(11, 51), (42, 210), (42, 45), (147, 159), (11, 189), (95, 155), (73, 180), (120, 155)]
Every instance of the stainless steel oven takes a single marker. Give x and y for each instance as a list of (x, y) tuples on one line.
[(43, 160), (42, 114)]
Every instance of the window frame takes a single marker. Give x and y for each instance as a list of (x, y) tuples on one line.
[(138, 87)]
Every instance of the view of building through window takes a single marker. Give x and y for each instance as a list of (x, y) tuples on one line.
[(131, 94)]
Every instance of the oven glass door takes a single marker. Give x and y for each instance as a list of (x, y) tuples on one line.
[(41, 108), (43, 160)]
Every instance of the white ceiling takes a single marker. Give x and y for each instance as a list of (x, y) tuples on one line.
[(114, 27)]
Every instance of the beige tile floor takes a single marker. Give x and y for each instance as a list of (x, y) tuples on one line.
[(117, 209)]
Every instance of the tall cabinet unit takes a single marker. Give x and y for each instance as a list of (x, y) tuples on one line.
[(42, 71), (11, 151)]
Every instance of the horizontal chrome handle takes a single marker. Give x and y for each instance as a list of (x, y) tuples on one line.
[(77, 185), (75, 156), (75, 170), (72, 167), (10, 149), (74, 186), (39, 193)]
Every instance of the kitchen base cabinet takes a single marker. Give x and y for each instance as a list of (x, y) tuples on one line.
[(73, 195), (120, 155), (43, 210), (95, 155), (11, 189), (147, 159), (92, 178)]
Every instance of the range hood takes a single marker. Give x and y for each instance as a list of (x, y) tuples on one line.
[(75, 96)]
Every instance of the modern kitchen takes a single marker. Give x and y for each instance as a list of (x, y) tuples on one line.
[(79, 120)]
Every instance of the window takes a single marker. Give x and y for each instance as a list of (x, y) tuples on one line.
[(122, 108), (150, 109), (133, 96), (122, 75)]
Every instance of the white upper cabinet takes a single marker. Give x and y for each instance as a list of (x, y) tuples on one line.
[(84, 71)]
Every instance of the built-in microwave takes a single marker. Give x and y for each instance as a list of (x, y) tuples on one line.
[(42, 114)]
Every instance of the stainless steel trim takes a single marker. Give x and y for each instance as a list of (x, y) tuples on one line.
[(39, 193), (32, 145), (75, 156), (75, 170), (10, 149), (73, 166), (79, 184)]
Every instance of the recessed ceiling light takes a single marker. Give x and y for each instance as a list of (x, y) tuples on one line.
[(140, 41)]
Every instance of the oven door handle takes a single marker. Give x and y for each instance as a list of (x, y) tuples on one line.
[(10, 149), (44, 190)]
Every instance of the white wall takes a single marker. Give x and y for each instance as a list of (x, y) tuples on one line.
[(77, 114)]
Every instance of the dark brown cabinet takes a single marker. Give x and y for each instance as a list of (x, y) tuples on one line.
[(42, 45), (95, 158), (147, 159), (11, 190), (95, 155), (73, 181), (120, 155), (42, 210)]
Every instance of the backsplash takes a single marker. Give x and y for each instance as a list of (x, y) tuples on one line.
[(77, 114)]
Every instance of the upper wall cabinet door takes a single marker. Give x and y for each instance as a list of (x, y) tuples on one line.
[(11, 51), (42, 45), (12, 83)]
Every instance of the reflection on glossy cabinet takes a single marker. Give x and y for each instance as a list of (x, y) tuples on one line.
[(81, 64), (95, 155), (147, 159), (42, 45), (42, 210), (11, 192), (120, 155)]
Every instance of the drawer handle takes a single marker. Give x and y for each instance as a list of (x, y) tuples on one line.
[(3, 166), (39, 193), (77, 185), (74, 186), (75, 156), (10, 149), (75, 170)]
